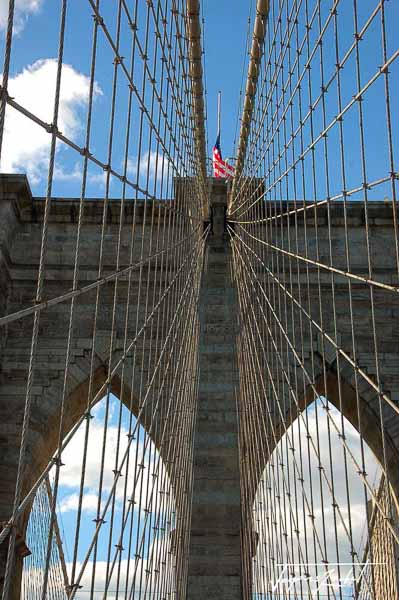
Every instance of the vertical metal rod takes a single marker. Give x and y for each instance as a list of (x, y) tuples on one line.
[(219, 110), (57, 534)]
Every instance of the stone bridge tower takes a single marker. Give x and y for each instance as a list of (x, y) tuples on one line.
[(222, 474)]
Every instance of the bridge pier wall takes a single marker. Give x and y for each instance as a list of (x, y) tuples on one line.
[(21, 219), (215, 552), (309, 309)]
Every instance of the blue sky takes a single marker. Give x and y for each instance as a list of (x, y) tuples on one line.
[(151, 482), (226, 28), (32, 75), (71, 471), (225, 32)]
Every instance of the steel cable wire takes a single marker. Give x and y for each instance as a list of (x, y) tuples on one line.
[(313, 350), (141, 306)]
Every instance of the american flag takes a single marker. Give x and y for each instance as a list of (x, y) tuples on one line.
[(220, 167)]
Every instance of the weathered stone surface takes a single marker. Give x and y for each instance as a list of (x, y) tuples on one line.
[(215, 561), (215, 555), (20, 242)]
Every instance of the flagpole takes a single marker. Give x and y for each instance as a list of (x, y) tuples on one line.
[(219, 110)]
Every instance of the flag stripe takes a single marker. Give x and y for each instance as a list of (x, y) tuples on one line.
[(220, 167)]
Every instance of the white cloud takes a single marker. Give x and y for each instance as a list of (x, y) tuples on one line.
[(278, 516), (23, 9), (26, 145), (75, 174), (116, 444), (156, 548), (71, 502), (141, 577), (154, 163), (151, 574)]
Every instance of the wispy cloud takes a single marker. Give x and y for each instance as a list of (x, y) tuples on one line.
[(75, 174), (153, 165), (23, 9)]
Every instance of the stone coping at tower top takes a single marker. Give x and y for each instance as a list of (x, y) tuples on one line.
[(16, 188), (65, 210), (378, 212)]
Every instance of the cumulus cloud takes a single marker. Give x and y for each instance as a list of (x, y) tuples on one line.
[(26, 145), (23, 9), (70, 503), (140, 483), (152, 516)]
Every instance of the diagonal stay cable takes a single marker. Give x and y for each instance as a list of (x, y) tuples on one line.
[(25, 502)]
